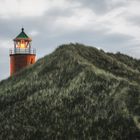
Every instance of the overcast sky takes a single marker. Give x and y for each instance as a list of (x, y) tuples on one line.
[(113, 25)]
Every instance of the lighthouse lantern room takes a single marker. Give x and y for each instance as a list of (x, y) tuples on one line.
[(22, 55)]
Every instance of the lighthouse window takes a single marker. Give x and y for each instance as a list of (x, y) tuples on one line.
[(32, 60)]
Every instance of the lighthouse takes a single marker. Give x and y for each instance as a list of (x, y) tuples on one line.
[(22, 54)]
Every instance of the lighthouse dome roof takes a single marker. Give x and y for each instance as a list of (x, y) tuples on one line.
[(22, 35)]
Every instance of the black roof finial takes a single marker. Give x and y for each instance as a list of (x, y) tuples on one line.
[(22, 29)]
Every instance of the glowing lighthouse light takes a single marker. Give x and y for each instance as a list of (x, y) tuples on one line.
[(22, 44)]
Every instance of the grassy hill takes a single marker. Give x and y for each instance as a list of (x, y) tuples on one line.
[(75, 93)]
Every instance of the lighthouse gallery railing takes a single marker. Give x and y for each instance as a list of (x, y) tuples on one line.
[(22, 51)]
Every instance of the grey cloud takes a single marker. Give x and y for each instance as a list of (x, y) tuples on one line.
[(59, 12), (103, 6), (134, 20), (97, 6), (4, 63)]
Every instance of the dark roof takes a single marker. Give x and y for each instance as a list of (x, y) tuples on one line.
[(22, 35)]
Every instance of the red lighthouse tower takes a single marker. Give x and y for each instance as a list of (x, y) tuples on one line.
[(22, 55)]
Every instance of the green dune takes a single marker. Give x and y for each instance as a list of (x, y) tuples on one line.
[(75, 93)]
